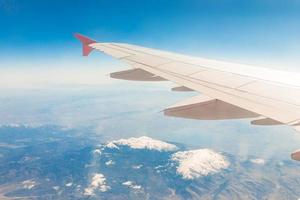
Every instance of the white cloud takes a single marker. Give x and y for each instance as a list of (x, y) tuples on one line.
[(130, 184), (98, 183), (196, 163), (258, 161), (41, 78), (143, 143), (15, 125)]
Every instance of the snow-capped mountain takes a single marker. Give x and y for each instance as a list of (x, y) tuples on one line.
[(201, 162), (143, 142)]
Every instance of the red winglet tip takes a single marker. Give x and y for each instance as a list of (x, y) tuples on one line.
[(86, 49), (84, 39)]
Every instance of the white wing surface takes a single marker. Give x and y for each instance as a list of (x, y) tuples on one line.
[(241, 91)]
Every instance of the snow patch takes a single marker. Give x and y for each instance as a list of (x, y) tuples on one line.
[(28, 184), (258, 161), (69, 184), (97, 151), (98, 183), (112, 145), (110, 162), (196, 163), (55, 188), (130, 184), (137, 166), (143, 143), (136, 187)]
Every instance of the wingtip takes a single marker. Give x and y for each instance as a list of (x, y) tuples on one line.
[(86, 49), (84, 39)]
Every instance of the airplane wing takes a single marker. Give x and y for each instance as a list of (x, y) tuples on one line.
[(228, 90)]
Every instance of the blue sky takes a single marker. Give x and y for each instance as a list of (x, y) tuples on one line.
[(256, 32)]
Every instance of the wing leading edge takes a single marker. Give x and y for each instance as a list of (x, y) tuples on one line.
[(232, 90)]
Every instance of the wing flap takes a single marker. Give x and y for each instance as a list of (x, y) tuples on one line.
[(265, 122), (206, 108), (181, 89), (136, 75)]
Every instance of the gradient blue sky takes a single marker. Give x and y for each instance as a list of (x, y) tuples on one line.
[(265, 32)]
